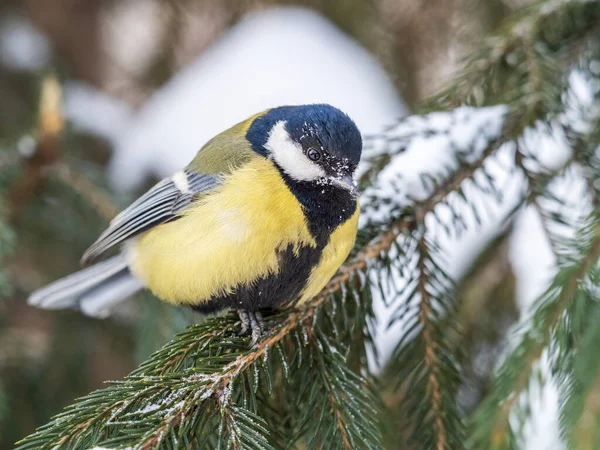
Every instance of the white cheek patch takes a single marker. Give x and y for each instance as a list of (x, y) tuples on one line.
[(289, 155)]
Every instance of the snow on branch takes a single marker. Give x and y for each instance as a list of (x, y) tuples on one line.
[(425, 151)]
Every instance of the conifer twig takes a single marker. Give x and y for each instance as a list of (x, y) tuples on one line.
[(431, 360), (586, 429), (534, 195), (550, 309)]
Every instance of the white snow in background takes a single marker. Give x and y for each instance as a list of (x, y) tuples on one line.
[(582, 92), (132, 33), (279, 56), (453, 132), (91, 110), (532, 256), (432, 155), (533, 262), (22, 46)]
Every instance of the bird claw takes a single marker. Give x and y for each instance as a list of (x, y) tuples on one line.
[(252, 321)]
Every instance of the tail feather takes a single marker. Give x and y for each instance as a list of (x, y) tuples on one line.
[(99, 302), (94, 290)]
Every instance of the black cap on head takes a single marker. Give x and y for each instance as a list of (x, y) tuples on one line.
[(318, 126)]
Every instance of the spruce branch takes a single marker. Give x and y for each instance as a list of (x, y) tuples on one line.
[(486, 310), (491, 423), (432, 360), (585, 145), (338, 399), (537, 187), (581, 410), (526, 112), (424, 358), (176, 401), (523, 63)]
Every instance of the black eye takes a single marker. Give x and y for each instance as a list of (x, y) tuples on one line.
[(313, 154)]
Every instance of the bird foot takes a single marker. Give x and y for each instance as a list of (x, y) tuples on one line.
[(252, 321)]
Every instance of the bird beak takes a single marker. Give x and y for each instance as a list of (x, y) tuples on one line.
[(346, 182)]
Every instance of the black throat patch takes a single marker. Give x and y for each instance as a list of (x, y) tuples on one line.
[(325, 206)]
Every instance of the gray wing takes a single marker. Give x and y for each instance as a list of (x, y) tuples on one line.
[(162, 203)]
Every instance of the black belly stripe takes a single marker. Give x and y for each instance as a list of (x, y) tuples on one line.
[(326, 208), (274, 290)]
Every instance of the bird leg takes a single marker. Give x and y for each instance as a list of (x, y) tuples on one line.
[(245, 319), (252, 321), (257, 324)]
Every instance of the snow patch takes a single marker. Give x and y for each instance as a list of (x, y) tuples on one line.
[(241, 74), (22, 46)]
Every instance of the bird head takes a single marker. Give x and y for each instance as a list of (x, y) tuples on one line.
[(309, 144)]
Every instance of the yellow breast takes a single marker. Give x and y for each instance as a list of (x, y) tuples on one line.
[(227, 238)]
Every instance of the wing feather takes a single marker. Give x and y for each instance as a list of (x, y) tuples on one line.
[(162, 203)]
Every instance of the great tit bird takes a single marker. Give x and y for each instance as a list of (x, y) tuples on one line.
[(262, 218)]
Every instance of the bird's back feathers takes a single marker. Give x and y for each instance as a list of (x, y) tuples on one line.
[(160, 204), (168, 198)]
